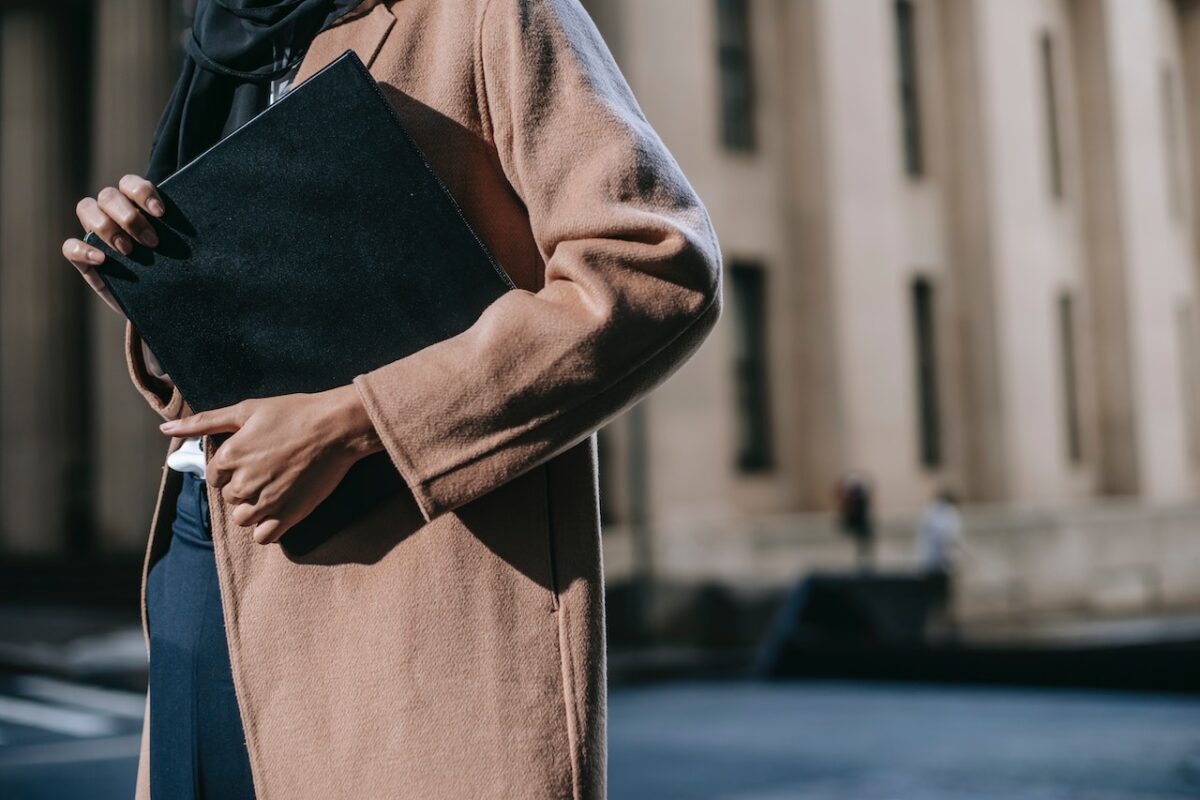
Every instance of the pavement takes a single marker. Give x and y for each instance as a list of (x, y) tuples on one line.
[(732, 740), (61, 739), (839, 741), (87, 645)]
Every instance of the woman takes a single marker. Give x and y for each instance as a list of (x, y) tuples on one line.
[(450, 643)]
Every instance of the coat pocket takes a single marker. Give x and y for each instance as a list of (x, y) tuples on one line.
[(548, 532)]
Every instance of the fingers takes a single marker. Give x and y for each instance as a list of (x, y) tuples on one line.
[(269, 531), (269, 526), (217, 472), (127, 215), (249, 513), (84, 258), (243, 514), (142, 192), (249, 507), (249, 504), (94, 220), (116, 214), (236, 494), (81, 254), (219, 420)]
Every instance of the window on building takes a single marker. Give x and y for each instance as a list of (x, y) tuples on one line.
[(1050, 98), (754, 451), (906, 69), (1171, 152), (1188, 356), (925, 350), (1066, 342), (736, 80)]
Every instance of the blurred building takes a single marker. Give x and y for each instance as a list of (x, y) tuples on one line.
[(960, 248), (82, 85)]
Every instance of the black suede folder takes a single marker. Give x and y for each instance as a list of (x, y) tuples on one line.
[(311, 245)]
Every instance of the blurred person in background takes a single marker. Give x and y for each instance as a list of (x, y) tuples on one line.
[(469, 661), (855, 516), (940, 547)]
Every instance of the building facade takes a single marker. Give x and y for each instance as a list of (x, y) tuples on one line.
[(81, 88), (960, 249)]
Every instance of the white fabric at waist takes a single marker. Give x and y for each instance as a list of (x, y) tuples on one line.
[(189, 457)]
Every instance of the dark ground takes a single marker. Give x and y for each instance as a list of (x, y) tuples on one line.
[(71, 701), (740, 741), (843, 741)]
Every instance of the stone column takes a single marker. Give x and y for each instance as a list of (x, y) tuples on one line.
[(1189, 46), (974, 356), (134, 72), (39, 292), (819, 442), (1117, 437)]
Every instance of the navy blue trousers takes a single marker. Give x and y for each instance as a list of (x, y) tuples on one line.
[(197, 745)]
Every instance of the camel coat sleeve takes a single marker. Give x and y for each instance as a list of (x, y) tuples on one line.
[(632, 278)]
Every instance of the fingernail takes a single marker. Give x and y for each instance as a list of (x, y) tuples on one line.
[(167, 427), (122, 244), (156, 207), (151, 238), (95, 256)]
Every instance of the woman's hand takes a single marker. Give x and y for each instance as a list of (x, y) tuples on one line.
[(115, 215), (286, 455)]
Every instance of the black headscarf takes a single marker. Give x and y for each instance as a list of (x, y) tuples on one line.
[(236, 48)]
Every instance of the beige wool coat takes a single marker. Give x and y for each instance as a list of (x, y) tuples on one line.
[(451, 643)]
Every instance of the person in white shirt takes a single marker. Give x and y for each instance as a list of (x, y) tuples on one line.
[(940, 547), (940, 540)]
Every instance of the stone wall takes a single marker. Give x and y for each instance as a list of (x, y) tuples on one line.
[(1114, 558)]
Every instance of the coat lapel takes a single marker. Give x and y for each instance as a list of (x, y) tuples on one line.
[(363, 31)]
